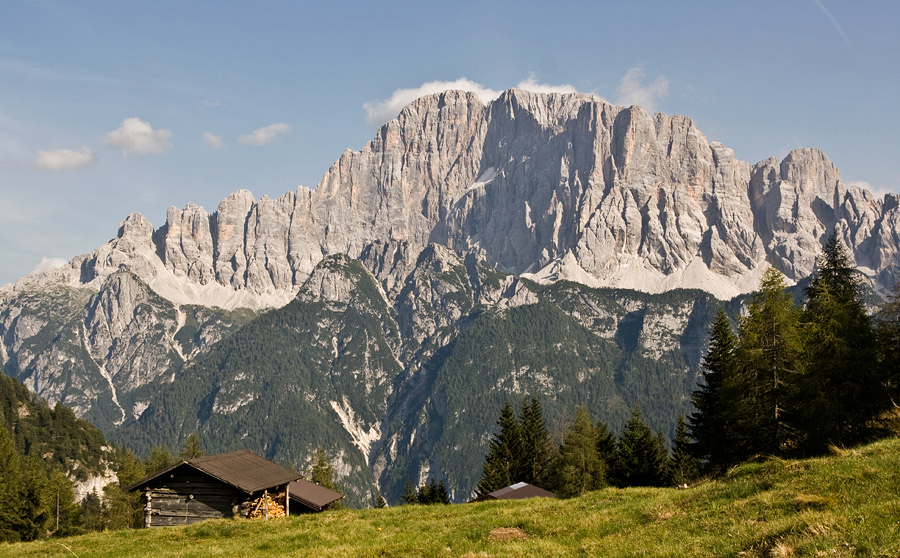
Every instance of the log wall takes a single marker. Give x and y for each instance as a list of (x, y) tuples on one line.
[(182, 499)]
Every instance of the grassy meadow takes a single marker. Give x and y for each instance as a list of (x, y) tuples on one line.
[(846, 504)]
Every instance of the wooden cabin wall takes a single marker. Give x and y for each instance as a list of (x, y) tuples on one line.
[(171, 502)]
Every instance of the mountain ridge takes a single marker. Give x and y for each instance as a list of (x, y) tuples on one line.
[(556, 186)]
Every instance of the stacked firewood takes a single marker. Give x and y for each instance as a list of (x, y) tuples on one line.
[(265, 507)]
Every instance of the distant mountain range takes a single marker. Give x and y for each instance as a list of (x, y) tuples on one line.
[(468, 253)]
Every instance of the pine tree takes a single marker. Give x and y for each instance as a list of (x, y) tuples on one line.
[(380, 502), (501, 465), (606, 444), (409, 493), (888, 335), (122, 509), (66, 518), (840, 394), (440, 494), (712, 426), (769, 356), (192, 447), (160, 457), (580, 468), (640, 455), (321, 473), (11, 519), (684, 468), (538, 452), (426, 492)]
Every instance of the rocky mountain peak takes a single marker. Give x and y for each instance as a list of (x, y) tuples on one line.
[(549, 185)]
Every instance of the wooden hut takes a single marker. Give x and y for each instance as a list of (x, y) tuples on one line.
[(213, 487)]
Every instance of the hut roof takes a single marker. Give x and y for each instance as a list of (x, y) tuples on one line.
[(241, 469), (518, 491), (312, 495)]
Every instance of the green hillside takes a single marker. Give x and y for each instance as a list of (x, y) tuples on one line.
[(846, 504)]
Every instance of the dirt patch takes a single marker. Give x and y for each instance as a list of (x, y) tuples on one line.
[(507, 534)]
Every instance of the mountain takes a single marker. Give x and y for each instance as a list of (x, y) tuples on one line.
[(468, 253)]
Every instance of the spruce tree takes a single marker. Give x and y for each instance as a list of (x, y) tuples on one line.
[(11, 518), (579, 466), (538, 452), (501, 465), (606, 444), (888, 335), (380, 502), (684, 468), (713, 426), (769, 357), (160, 457), (320, 471), (426, 492), (410, 496), (192, 447), (841, 393), (439, 494), (641, 457)]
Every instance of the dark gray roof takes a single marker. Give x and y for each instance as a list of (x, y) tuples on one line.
[(241, 469), (518, 491), (312, 495)]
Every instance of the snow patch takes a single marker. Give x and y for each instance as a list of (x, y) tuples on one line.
[(484, 178)]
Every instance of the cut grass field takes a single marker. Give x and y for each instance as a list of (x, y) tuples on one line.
[(846, 504)]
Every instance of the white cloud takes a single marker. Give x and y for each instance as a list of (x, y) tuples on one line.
[(136, 136), (631, 92), (64, 159), (379, 112), (46, 264), (878, 192), (265, 135), (531, 84), (213, 140)]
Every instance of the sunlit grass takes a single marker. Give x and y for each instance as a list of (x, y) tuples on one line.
[(847, 504)]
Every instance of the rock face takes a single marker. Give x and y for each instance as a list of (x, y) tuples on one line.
[(554, 186), (423, 253)]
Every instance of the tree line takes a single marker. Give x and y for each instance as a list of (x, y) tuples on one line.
[(589, 456), (795, 380)]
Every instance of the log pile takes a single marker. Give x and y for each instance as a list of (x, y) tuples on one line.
[(260, 506)]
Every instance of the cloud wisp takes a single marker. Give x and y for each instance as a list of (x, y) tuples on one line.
[(213, 140), (379, 112), (632, 92), (877, 191), (60, 159), (265, 135), (46, 264), (136, 137), (834, 22)]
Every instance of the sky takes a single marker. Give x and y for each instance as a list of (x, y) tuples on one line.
[(114, 107)]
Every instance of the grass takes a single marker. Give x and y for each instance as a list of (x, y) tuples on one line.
[(846, 504)]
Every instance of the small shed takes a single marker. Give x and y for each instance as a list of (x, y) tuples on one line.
[(308, 496), (211, 487), (516, 492)]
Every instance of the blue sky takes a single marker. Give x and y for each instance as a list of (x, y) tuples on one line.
[(107, 108)]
